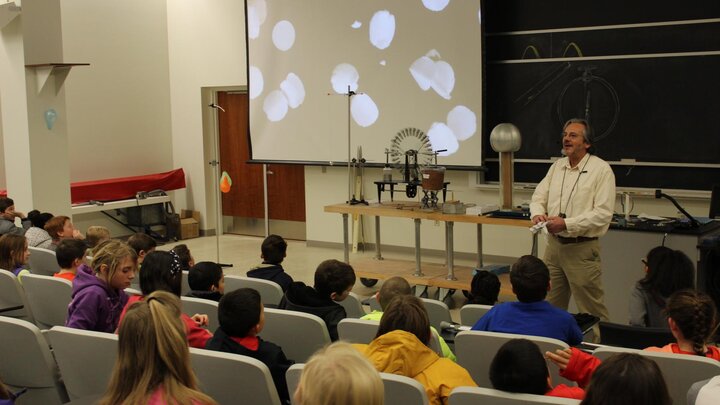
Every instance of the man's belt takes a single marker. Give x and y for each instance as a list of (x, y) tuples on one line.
[(563, 240)]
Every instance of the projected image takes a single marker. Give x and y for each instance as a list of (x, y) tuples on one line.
[(316, 66)]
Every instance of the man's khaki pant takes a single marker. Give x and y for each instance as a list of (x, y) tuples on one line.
[(575, 270)]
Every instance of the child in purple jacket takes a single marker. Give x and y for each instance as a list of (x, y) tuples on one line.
[(98, 297)]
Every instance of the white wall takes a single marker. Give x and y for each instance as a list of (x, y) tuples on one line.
[(206, 42), (119, 106)]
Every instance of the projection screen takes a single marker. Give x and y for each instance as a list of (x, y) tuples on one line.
[(323, 71)]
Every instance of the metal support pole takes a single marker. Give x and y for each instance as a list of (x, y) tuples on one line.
[(346, 244), (418, 269), (479, 247), (450, 250), (378, 254)]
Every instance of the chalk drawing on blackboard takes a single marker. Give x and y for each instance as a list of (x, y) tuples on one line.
[(591, 97)]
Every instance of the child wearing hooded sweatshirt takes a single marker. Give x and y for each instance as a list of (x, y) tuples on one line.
[(273, 250), (98, 295)]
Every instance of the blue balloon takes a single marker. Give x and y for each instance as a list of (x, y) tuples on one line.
[(50, 117)]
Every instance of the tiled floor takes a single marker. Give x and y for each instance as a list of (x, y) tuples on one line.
[(243, 252)]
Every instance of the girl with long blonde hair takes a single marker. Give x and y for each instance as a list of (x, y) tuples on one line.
[(153, 363)]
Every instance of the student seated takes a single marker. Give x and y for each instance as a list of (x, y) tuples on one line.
[(242, 317), (706, 392), (519, 366), (401, 347), (98, 295), (161, 272), (484, 288), (333, 282), (143, 244), (187, 261), (666, 271), (392, 288), (207, 281), (339, 375), (36, 235), (7, 218), (532, 315), (70, 255), (14, 255), (273, 250), (61, 227), (627, 379), (153, 360), (692, 317), (94, 236)]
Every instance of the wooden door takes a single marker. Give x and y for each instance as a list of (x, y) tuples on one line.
[(286, 184)]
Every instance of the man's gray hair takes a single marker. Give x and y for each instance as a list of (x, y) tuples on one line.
[(588, 130)]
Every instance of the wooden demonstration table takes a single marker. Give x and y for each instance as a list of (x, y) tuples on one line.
[(412, 211)]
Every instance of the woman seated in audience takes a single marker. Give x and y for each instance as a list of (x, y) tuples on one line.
[(401, 347), (14, 254), (519, 366), (692, 318), (61, 227), (339, 375), (98, 295), (666, 271), (161, 272), (36, 235), (94, 236), (627, 379), (186, 258), (484, 288), (153, 362)]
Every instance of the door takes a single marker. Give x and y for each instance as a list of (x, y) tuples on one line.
[(243, 206)]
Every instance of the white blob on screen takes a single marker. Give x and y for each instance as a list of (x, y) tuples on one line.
[(383, 63), (293, 89), (275, 106), (435, 5), (257, 13), (363, 110), (382, 29), (344, 75), (256, 82), (443, 79), (357, 24), (462, 122), (442, 137), (480, 16), (283, 35), (423, 70)]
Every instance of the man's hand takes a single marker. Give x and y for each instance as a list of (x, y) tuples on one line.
[(555, 225), (561, 358), (539, 218)]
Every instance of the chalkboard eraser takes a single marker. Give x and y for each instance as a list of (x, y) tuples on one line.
[(628, 160)]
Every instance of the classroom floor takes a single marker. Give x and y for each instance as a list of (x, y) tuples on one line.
[(243, 252)]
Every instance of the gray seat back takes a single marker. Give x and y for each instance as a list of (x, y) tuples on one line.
[(231, 378), (489, 396), (471, 313), (353, 306), (85, 358), (475, 351), (357, 330), (42, 261), (680, 371), (26, 361), (192, 306), (270, 292), (13, 302), (298, 333), (48, 298), (403, 390)]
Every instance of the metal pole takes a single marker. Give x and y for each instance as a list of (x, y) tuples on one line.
[(418, 269), (265, 199)]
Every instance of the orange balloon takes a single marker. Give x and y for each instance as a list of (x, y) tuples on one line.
[(225, 185)]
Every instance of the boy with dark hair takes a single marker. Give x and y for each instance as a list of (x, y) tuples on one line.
[(70, 254), (143, 244), (333, 282), (273, 250), (207, 281), (484, 288), (532, 315), (7, 218), (396, 287), (242, 317)]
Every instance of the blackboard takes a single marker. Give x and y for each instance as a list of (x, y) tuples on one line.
[(651, 89)]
